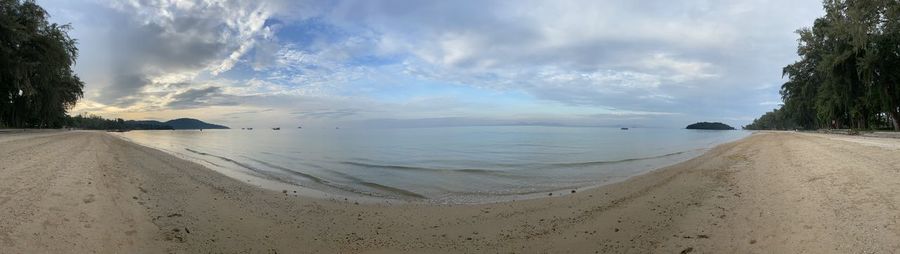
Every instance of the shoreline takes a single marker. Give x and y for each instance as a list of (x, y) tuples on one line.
[(768, 192)]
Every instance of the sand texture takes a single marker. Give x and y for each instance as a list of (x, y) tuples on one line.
[(776, 192)]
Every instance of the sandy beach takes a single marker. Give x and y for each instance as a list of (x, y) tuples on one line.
[(772, 192)]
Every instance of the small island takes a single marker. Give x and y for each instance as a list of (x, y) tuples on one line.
[(709, 126)]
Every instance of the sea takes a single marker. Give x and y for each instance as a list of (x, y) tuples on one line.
[(434, 165)]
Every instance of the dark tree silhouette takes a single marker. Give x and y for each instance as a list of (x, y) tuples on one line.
[(37, 84)]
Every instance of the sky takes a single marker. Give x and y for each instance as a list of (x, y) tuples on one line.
[(397, 63)]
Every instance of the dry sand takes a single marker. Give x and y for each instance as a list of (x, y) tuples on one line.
[(83, 192)]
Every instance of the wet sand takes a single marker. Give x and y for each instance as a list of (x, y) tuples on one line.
[(82, 192)]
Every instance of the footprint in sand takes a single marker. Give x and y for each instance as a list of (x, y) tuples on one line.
[(88, 199)]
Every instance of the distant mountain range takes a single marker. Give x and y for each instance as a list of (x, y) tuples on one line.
[(177, 124)]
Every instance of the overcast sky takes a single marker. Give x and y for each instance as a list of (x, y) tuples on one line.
[(654, 63)]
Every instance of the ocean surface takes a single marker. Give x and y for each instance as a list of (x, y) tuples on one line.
[(439, 165)]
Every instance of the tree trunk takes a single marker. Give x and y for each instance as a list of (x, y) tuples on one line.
[(895, 118)]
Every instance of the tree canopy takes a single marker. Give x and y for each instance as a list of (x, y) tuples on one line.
[(37, 84), (848, 71), (709, 126)]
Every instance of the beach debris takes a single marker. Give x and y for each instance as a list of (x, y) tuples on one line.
[(688, 250), (88, 199), (174, 215), (550, 194), (573, 191)]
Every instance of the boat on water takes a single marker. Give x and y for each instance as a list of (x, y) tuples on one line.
[(276, 128), (624, 128)]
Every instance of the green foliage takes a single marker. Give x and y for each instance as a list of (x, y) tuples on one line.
[(773, 120), (709, 126), (37, 84), (94, 122), (848, 71)]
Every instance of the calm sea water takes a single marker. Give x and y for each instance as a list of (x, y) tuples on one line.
[(444, 165)]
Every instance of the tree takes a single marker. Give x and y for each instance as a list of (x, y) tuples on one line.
[(848, 71), (37, 84), (875, 32)]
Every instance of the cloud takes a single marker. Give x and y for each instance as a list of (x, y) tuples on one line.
[(475, 60), (581, 52), (248, 112), (209, 96), (337, 113), (161, 42)]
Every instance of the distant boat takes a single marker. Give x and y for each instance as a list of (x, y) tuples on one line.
[(249, 129), (276, 128), (624, 128), (299, 127)]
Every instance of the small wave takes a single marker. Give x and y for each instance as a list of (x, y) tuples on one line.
[(399, 167), (290, 171), (392, 189), (542, 145), (590, 163), (256, 170), (384, 188)]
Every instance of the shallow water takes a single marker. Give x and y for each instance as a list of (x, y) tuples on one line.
[(443, 165)]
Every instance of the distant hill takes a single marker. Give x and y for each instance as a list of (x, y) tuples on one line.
[(95, 122), (709, 126), (190, 124), (146, 125), (176, 124)]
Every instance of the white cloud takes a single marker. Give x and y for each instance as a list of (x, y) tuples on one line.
[(688, 57)]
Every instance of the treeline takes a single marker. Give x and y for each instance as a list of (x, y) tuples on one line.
[(774, 120), (94, 122), (37, 85), (848, 71)]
